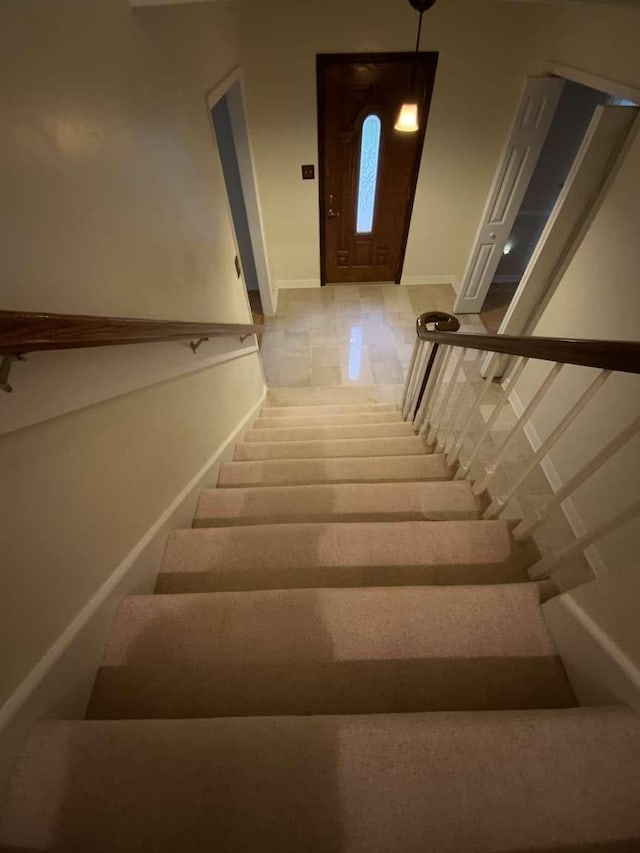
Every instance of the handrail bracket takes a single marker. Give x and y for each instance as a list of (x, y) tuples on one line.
[(195, 344), (5, 369)]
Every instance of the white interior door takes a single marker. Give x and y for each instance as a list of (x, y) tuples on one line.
[(571, 214), (524, 144)]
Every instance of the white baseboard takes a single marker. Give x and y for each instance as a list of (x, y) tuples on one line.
[(599, 671), (296, 283), (431, 279), (60, 683), (571, 513)]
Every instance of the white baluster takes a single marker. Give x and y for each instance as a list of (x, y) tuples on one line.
[(415, 376), (449, 425), (499, 503), (492, 467), (444, 412), (411, 378), (542, 512), (483, 390), (551, 562), (421, 366), (438, 393), (433, 388), (464, 469)]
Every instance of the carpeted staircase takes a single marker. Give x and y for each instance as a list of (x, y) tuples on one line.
[(340, 656)]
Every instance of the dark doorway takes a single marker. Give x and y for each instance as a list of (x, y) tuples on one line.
[(368, 170)]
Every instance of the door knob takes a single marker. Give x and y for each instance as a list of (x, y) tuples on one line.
[(333, 214)]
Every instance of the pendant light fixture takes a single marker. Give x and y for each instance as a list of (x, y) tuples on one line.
[(407, 121)]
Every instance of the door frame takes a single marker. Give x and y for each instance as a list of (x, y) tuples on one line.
[(323, 59), (594, 81), (246, 166), (592, 171)]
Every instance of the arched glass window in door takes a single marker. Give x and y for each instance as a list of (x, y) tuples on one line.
[(368, 174)]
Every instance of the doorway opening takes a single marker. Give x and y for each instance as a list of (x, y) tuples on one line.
[(563, 149), (229, 124), (368, 170), (572, 117)]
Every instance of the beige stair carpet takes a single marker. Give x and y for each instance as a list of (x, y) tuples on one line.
[(404, 445), (280, 556), (313, 433), (368, 469), (329, 651), (448, 782), (339, 409), (363, 418), (336, 502)]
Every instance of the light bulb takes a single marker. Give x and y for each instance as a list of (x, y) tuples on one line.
[(407, 119)]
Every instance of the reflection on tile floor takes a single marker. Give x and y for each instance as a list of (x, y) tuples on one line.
[(349, 335)]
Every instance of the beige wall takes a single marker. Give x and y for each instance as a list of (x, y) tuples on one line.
[(112, 203), (599, 297), (485, 51)]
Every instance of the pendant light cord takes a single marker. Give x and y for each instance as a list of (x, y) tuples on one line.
[(414, 71)]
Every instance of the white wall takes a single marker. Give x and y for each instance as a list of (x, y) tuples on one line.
[(112, 203), (485, 51)]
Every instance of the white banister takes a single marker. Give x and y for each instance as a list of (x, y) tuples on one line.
[(542, 512), (508, 384), (499, 503), (483, 390), (552, 561), (492, 467)]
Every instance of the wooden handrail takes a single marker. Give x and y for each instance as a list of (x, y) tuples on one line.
[(623, 356), (24, 331)]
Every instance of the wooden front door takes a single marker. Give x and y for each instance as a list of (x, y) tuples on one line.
[(368, 170)]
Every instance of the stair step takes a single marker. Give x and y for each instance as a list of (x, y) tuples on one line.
[(452, 782), (361, 469), (298, 556), (403, 445), (265, 422), (329, 651), (336, 409), (318, 396), (313, 433), (452, 499)]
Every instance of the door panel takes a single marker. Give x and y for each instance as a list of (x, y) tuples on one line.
[(365, 164), (527, 136)]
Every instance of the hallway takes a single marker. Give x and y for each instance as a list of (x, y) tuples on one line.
[(350, 335)]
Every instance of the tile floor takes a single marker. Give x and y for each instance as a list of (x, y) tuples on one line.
[(350, 335)]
